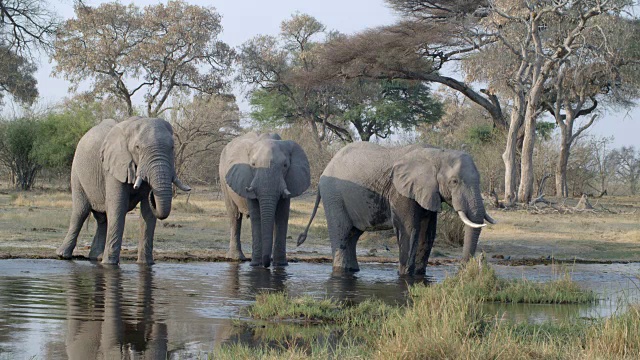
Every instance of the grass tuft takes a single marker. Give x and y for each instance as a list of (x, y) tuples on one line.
[(479, 280)]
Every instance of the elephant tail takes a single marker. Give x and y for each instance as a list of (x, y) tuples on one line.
[(303, 236)]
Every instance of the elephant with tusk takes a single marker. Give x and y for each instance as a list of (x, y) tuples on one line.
[(115, 167), (369, 187), (261, 173)]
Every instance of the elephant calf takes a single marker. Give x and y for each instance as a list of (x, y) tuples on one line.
[(259, 176), (369, 187), (115, 167)]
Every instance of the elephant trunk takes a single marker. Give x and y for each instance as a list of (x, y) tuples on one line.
[(267, 218), (160, 178), (476, 214)]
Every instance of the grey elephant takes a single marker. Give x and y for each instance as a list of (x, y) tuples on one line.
[(115, 167), (259, 175), (369, 187)]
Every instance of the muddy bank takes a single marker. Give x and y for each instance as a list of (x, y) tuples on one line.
[(182, 256)]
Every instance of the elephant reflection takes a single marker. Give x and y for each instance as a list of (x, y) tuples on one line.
[(97, 326)]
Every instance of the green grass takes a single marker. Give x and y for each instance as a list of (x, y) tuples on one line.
[(442, 321), (480, 281), (281, 307)]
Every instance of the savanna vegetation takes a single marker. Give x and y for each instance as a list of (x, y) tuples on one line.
[(517, 84), (441, 321)]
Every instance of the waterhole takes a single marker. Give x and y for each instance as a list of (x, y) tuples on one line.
[(79, 310)]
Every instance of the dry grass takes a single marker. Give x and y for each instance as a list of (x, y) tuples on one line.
[(40, 220)]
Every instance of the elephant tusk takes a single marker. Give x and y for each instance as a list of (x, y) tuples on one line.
[(249, 189), (468, 222), (286, 193), (489, 219), (138, 182), (180, 185)]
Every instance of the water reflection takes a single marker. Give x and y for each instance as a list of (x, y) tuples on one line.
[(97, 325), (79, 310)]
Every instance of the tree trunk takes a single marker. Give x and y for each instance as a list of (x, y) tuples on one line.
[(525, 192), (314, 130), (561, 166), (509, 155)]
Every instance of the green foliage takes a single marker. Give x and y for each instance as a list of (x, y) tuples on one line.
[(545, 129), (17, 76), (271, 108), (58, 135), (481, 134), (17, 144), (377, 107)]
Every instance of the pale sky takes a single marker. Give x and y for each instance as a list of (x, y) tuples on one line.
[(243, 19)]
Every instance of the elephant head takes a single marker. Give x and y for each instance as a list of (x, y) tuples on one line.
[(430, 176), (271, 169), (140, 150)]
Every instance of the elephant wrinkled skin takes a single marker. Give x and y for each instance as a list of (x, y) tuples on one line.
[(368, 187), (115, 167), (259, 176)]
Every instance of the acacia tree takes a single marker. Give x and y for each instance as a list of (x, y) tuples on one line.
[(437, 33), (160, 51), (628, 167)]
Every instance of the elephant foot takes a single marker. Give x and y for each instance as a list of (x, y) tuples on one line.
[(236, 255), (280, 263), (421, 271), (255, 263), (147, 262), (345, 270), (64, 254), (110, 261)]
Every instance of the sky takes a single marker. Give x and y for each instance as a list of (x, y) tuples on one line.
[(244, 19)]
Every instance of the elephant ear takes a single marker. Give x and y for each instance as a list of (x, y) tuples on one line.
[(239, 178), (298, 177), (415, 176), (116, 158)]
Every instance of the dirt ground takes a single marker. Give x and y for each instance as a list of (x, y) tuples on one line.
[(33, 224)]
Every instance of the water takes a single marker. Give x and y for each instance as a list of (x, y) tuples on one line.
[(80, 310)]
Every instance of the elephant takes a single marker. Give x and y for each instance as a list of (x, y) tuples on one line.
[(115, 167), (368, 187), (259, 176)]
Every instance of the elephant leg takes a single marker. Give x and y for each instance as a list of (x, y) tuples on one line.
[(428, 226), (147, 230), (407, 220), (343, 235), (256, 232), (235, 224), (79, 213), (100, 238), (280, 233), (117, 207)]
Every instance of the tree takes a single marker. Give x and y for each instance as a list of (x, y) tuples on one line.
[(25, 26), (17, 143), (16, 76), (628, 167), (58, 133), (160, 50), (504, 44), (378, 107), (202, 126), (279, 72)]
